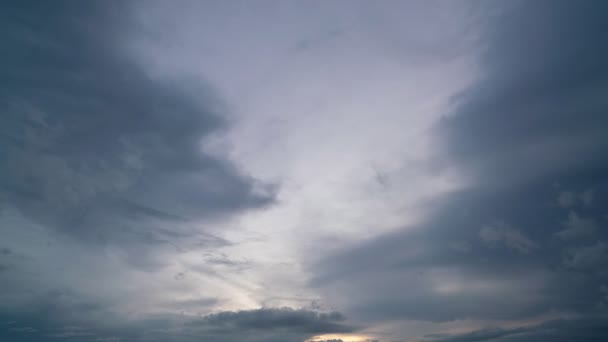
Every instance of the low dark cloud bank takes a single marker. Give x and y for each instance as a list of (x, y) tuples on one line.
[(591, 329), (265, 324), (527, 236), (302, 321)]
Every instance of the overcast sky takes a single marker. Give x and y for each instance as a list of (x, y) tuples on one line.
[(278, 171)]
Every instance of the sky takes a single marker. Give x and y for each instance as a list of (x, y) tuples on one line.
[(303, 171)]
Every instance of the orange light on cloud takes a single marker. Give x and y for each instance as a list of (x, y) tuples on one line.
[(343, 337)]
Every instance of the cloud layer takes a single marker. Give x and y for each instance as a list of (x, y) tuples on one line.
[(92, 142), (274, 171), (521, 239)]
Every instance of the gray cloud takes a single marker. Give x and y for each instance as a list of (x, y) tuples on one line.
[(569, 199), (284, 319), (592, 257), (538, 108), (93, 146), (101, 160), (512, 238), (104, 154), (589, 329), (577, 227), (266, 324), (91, 138), (223, 261), (193, 305), (531, 127)]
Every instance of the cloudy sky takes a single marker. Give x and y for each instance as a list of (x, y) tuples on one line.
[(278, 171)]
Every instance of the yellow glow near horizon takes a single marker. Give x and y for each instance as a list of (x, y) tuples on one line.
[(343, 337)]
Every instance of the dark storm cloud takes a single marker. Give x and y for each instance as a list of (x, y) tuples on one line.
[(95, 149), (280, 325), (285, 319), (90, 144), (194, 304), (510, 245), (589, 329), (445, 269), (539, 108)]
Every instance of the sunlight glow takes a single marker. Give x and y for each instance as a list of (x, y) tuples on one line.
[(343, 337)]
